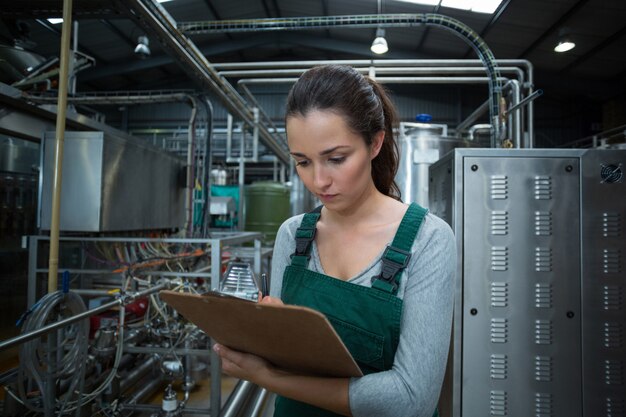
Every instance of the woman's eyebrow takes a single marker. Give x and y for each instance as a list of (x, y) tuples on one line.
[(333, 149), (322, 153)]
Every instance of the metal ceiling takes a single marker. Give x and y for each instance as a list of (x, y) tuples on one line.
[(528, 29)]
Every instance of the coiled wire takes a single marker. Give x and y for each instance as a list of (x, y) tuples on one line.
[(42, 363), (34, 359)]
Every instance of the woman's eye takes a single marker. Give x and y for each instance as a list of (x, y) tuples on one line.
[(302, 163), (337, 160)]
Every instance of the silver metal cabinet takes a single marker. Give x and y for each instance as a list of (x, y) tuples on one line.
[(539, 311), (112, 183)]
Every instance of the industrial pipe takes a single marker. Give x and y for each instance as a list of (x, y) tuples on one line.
[(478, 128), (53, 261), (62, 323), (366, 70), (154, 17), (388, 20), (191, 142), (388, 80), (240, 395), (527, 83), (137, 373)]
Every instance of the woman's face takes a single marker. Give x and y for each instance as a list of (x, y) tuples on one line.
[(333, 162)]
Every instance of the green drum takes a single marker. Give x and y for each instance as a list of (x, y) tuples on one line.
[(267, 207)]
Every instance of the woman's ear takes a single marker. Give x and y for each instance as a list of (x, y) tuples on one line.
[(377, 144)]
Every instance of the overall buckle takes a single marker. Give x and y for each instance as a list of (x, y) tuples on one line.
[(304, 237), (394, 260)]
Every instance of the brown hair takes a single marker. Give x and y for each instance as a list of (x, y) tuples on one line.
[(365, 106)]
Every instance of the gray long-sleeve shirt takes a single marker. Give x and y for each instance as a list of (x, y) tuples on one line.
[(411, 387)]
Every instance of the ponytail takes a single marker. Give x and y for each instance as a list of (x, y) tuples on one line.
[(385, 165)]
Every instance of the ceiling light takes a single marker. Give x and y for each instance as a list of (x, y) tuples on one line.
[(476, 6), (423, 2), (565, 42), (379, 46), (142, 49), (55, 20)]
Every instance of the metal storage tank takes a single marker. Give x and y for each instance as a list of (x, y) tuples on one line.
[(267, 207), (421, 145)]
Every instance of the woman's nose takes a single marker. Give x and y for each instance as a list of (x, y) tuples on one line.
[(321, 177)]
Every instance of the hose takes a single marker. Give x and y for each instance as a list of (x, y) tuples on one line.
[(36, 359)]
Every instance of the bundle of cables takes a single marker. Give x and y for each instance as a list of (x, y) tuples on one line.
[(44, 361)]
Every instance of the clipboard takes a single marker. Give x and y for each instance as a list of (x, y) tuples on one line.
[(293, 338)]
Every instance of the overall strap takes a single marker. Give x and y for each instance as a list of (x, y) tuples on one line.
[(305, 234), (396, 256)]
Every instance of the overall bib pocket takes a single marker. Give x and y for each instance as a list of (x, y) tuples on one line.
[(366, 347)]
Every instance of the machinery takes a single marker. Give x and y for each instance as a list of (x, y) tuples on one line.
[(539, 311), (109, 344)]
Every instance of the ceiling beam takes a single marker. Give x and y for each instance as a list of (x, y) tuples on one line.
[(425, 32), (274, 39), (597, 48), (276, 8), (157, 61), (326, 13), (217, 16), (81, 48), (266, 8), (566, 88), (349, 47), (494, 18), (557, 25), (213, 10), (132, 43)]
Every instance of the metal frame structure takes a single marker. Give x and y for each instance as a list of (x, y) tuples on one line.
[(217, 243)]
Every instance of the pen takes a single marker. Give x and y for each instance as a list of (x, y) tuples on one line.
[(264, 288)]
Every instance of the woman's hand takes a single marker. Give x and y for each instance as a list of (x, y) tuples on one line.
[(327, 393), (270, 300), (243, 365)]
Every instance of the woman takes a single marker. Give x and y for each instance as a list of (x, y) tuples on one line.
[(391, 307)]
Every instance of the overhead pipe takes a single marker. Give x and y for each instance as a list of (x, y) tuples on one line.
[(370, 69), (367, 62), (513, 129), (382, 70), (527, 84), (387, 80), (256, 104), (119, 97), (171, 33), (374, 21), (155, 18), (53, 261)]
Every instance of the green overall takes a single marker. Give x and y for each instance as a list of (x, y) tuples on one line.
[(366, 319)]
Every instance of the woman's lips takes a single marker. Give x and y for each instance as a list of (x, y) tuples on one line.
[(327, 197)]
